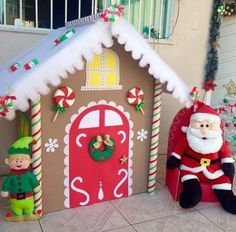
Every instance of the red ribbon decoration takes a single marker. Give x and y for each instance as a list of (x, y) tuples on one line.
[(3, 103), (209, 85), (222, 109)]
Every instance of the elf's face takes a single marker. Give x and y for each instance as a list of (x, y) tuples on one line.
[(18, 162)]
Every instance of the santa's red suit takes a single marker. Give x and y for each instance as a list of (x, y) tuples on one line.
[(204, 167)]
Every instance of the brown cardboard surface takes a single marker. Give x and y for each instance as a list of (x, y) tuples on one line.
[(131, 75)]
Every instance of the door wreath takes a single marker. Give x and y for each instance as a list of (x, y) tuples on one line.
[(101, 147)]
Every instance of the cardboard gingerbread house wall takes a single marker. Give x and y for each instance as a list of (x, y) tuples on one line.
[(103, 61)]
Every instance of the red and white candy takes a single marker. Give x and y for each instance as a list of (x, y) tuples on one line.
[(14, 67), (135, 98), (64, 97)]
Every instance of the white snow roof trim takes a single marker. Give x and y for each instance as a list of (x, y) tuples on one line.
[(135, 43), (57, 62)]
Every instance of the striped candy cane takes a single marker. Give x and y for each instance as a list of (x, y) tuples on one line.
[(155, 138), (36, 150)]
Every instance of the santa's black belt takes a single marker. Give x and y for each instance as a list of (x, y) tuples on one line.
[(203, 161)]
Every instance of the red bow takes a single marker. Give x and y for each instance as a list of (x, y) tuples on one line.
[(209, 85), (222, 109)]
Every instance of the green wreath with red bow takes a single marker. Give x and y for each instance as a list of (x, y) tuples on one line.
[(101, 148)]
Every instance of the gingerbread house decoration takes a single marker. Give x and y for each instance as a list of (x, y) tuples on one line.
[(111, 74)]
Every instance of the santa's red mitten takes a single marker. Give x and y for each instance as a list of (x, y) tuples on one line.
[(228, 169)]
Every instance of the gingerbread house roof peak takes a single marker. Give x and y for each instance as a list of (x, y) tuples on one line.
[(64, 50)]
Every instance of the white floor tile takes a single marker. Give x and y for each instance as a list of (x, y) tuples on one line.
[(220, 217), (123, 229), (185, 222), (98, 217), (143, 207)]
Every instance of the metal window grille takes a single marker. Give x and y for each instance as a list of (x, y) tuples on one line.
[(150, 17)]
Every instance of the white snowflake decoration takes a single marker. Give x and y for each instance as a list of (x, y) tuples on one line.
[(51, 145), (142, 135)]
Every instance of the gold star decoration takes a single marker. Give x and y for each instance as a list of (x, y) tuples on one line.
[(123, 159), (231, 88)]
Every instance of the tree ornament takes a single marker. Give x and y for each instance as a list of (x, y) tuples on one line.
[(227, 111), (234, 119), (225, 100), (234, 139), (231, 88)]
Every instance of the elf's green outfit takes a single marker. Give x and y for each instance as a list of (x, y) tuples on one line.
[(21, 183)]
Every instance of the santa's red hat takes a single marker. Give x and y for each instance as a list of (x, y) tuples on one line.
[(205, 112), (200, 111)]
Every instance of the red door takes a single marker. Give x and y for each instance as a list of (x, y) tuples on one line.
[(92, 181)]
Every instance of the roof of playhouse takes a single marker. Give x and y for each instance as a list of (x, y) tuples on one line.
[(48, 63)]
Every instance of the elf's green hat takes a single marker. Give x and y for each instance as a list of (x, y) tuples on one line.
[(21, 146)]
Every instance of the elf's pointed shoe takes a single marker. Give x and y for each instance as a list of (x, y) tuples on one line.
[(191, 194), (227, 200)]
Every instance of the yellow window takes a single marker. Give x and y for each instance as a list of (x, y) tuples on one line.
[(94, 79), (111, 60), (103, 72), (111, 79), (96, 63)]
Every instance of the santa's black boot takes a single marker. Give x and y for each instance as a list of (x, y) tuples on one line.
[(226, 199), (191, 195)]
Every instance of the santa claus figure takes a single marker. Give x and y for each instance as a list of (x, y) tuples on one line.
[(203, 157)]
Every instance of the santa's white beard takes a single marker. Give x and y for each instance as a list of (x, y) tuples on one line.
[(211, 144)]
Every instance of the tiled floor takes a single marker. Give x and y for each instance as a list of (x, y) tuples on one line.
[(142, 213)]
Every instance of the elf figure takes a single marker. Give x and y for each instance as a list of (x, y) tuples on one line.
[(203, 157), (21, 183)]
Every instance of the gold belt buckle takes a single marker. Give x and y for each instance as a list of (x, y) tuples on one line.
[(205, 162)]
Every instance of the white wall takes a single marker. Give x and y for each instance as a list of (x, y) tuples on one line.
[(227, 59), (12, 44), (186, 54)]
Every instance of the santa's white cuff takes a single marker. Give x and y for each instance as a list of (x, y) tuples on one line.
[(176, 155), (188, 177), (227, 160), (225, 186)]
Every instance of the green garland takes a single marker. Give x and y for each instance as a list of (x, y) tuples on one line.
[(214, 35)]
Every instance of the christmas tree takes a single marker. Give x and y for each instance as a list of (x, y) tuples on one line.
[(227, 111)]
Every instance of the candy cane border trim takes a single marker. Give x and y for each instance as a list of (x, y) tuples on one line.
[(66, 149)]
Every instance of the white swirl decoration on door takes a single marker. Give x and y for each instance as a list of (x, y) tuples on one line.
[(78, 178), (121, 132), (78, 139), (120, 183)]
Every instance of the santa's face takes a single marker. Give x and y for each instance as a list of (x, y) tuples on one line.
[(205, 136)]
